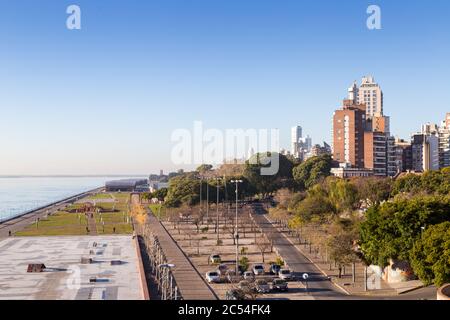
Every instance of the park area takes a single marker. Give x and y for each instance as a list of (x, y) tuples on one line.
[(201, 233), (99, 214)]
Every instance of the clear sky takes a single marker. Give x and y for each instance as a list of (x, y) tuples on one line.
[(105, 99)]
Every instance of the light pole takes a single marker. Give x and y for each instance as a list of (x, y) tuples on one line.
[(236, 226), (207, 201), (217, 208), (166, 268), (200, 177)]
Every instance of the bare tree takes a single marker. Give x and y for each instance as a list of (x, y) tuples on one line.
[(230, 228), (263, 246)]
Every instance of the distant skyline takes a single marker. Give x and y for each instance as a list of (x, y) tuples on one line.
[(105, 99)]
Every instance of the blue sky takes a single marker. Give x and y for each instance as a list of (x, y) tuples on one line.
[(105, 99)]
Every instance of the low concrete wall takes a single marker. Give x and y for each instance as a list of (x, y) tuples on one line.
[(444, 292), (144, 285)]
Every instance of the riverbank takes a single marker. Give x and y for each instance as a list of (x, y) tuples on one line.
[(20, 222)]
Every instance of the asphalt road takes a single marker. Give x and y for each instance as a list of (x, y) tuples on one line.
[(319, 287)]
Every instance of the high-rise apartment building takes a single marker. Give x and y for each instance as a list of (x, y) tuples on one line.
[(375, 149), (444, 142), (348, 134), (371, 95), (425, 152), (296, 135), (403, 155), (375, 153)]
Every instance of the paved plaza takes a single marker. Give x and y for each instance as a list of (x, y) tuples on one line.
[(110, 270)]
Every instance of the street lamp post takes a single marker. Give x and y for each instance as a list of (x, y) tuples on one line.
[(201, 194), (165, 279), (207, 202), (217, 209), (236, 226)]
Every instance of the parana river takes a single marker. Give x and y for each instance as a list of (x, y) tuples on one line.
[(21, 194)]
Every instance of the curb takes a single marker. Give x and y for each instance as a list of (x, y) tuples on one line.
[(409, 290)]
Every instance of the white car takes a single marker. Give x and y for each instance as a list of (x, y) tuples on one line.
[(258, 270), (249, 276), (285, 274), (212, 277)]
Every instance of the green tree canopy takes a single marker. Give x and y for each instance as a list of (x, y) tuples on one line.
[(431, 182), (391, 229), (312, 171), (430, 256), (266, 184), (183, 189)]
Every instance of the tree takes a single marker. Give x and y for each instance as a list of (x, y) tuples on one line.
[(204, 168), (342, 194), (312, 171), (341, 242), (267, 184), (183, 189), (230, 228), (263, 246), (283, 197), (315, 205), (390, 229), (430, 182), (372, 190), (430, 256), (160, 194)]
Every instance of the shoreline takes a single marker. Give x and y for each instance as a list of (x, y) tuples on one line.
[(22, 220)]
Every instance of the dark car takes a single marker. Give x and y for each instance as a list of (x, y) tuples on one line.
[(279, 285), (235, 294), (274, 269), (261, 286)]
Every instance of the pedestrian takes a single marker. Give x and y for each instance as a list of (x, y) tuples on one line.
[(114, 229), (9, 233)]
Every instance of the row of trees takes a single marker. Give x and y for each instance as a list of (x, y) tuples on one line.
[(376, 220), (185, 188)]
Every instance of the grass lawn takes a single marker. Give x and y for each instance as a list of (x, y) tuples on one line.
[(60, 223), (100, 196), (67, 224)]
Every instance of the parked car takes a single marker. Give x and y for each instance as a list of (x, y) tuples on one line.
[(215, 259), (212, 277), (279, 285), (222, 269), (261, 286), (275, 268), (258, 270), (249, 276), (285, 274), (235, 294), (245, 286), (232, 277)]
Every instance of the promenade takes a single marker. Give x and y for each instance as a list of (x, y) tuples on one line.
[(190, 283), (19, 223)]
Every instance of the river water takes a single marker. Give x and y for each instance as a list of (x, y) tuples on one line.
[(21, 194)]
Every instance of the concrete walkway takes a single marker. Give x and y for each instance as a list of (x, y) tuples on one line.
[(190, 283)]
